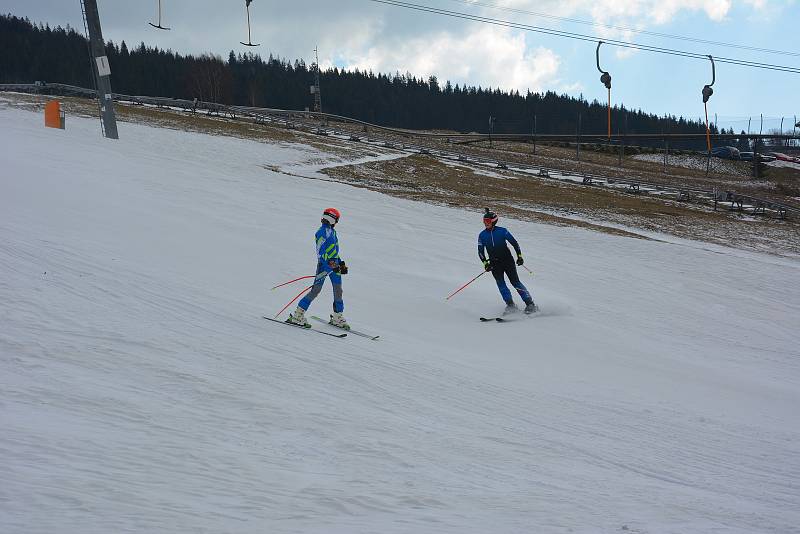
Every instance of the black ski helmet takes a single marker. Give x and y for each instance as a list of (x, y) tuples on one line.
[(489, 217)]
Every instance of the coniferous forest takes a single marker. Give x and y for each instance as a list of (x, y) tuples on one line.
[(34, 52)]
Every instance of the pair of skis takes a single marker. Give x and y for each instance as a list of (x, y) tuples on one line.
[(508, 318), (339, 335)]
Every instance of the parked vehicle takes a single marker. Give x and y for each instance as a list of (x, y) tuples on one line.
[(725, 152), (748, 156), (785, 157)]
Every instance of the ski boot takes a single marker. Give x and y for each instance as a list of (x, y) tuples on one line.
[(298, 317), (530, 308), (339, 321), (510, 308)]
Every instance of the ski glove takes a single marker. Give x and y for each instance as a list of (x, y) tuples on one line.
[(487, 265), (520, 261), (338, 267)]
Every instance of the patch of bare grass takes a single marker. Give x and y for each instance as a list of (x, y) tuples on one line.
[(427, 179)]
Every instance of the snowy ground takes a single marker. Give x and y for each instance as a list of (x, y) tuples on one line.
[(141, 392)]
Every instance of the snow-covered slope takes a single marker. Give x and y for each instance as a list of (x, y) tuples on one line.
[(140, 391)]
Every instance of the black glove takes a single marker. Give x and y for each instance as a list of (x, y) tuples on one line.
[(520, 261), (487, 265), (342, 268)]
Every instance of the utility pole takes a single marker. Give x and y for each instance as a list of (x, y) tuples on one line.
[(315, 88), (101, 70), (491, 129)]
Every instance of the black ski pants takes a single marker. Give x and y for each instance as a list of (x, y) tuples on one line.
[(507, 267)]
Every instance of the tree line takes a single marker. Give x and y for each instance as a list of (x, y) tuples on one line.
[(34, 52)]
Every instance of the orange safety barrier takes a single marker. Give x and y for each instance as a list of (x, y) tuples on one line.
[(53, 116)]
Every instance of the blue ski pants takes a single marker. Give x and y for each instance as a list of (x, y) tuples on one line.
[(336, 281)]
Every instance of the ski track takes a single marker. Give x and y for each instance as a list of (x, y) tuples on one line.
[(140, 391)]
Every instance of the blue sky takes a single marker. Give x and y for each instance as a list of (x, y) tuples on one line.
[(369, 35)]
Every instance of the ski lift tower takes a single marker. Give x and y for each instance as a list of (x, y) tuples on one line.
[(315, 88), (101, 70)]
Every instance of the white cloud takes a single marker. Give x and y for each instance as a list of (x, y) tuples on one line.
[(485, 55)]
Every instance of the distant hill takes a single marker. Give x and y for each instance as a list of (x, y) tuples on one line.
[(39, 52)]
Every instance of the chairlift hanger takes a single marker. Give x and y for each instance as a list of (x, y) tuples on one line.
[(159, 26), (249, 39), (707, 92), (606, 79)]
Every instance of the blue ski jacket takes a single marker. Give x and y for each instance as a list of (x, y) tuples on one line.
[(494, 242), (327, 246)]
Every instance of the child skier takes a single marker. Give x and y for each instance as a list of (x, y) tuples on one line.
[(329, 265), (493, 240)]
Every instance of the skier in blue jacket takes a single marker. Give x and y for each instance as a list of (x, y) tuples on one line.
[(492, 240), (329, 265)]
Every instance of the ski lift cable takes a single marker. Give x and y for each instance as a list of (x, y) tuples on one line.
[(625, 29), (588, 38)]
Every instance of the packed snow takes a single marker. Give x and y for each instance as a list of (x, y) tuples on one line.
[(141, 391)]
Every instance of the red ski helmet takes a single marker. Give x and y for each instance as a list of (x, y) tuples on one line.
[(489, 218), (331, 216)]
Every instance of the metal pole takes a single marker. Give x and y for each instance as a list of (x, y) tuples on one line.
[(624, 139), (708, 143), (317, 89), (100, 68), (249, 38), (755, 148)]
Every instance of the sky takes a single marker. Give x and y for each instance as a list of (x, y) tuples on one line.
[(370, 35)]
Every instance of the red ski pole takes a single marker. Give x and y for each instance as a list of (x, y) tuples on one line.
[(465, 285), (293, 281), (320, 275), (323, 275), (292, 301)]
